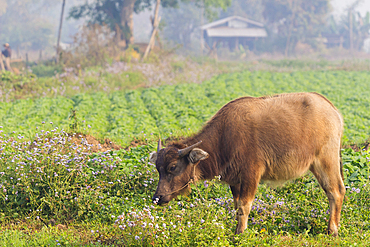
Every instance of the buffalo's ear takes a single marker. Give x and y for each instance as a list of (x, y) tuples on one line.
[(197, 154), (153, 157)]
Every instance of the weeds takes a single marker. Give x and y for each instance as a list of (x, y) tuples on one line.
[(54, 181)]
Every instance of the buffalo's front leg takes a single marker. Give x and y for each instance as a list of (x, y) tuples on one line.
[(248, 188), (235, 189)]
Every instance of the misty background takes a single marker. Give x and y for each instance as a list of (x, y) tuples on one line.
[(32, 25)]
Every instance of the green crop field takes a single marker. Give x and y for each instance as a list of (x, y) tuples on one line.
[(122, 116), (55, 192)]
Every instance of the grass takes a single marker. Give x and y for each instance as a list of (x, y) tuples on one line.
[(55, 191), (48, 80), (105, 235)]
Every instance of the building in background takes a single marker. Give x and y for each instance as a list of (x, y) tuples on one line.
[(233, 31), (367, 45)]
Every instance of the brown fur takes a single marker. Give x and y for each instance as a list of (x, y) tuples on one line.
[(271, 139)]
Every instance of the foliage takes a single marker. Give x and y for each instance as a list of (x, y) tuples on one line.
[(356, 164), (107, 197), (298, 64), (295, 20), (118, 15), (70, 81), (360, 28), (212, 7), (180, 24), (42, 70), (251, 9), (14, 82), (8, 77), (92, 46), (54, 176)]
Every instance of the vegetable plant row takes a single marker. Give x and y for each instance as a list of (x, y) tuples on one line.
[(173, 109)]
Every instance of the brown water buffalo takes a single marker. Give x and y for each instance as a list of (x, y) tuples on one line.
[(272, 139)]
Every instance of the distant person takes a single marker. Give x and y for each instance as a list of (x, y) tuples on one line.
[(6, 53), (2, 67)]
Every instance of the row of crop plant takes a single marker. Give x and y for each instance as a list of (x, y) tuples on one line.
[(173, 109)]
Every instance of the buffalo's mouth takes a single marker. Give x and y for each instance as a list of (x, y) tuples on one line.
[(161, 200)]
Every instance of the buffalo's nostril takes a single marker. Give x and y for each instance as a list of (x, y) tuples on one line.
[(156, 198)]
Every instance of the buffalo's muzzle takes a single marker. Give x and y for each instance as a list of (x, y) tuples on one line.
[(161, 200), (156, 199)]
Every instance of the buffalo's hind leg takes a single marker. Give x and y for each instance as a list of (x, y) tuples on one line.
[(327, 171)]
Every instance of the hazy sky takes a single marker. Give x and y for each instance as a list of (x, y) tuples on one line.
[(339, 6)]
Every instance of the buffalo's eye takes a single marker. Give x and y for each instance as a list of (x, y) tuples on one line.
[(172, 168)]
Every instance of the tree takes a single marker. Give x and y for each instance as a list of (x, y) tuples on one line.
[(296, 20), (60, 30), (211, 8), (360, 28), (350, 20), (251, 9), (179, 24), (118, 14)]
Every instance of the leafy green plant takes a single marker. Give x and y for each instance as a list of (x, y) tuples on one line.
[(356, 164), (169, 110), (42, 70)]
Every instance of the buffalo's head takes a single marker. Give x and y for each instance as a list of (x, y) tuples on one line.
[(176, 169)]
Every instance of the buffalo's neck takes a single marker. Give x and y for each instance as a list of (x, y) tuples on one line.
[(210, 167)]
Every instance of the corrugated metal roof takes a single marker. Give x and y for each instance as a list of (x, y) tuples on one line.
[(222, 21), (236, 32)]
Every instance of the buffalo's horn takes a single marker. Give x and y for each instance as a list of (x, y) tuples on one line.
[(159, 146), (185, 151)]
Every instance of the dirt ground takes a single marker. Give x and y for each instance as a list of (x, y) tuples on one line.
[(107, 144), (358, 147)]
